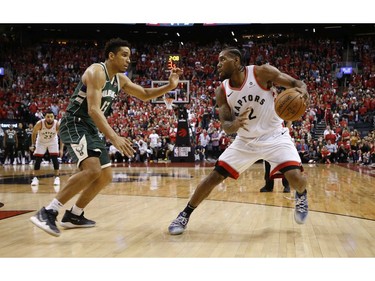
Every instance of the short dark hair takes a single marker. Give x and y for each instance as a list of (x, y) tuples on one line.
[(49, 111), (234, 52), (114, 45)]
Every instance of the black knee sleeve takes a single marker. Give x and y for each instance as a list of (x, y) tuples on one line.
[(55, 162), (38, 160)]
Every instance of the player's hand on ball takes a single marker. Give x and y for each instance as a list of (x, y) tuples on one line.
[(305, 95)]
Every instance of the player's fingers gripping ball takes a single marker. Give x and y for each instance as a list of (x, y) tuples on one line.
[(290, 104)]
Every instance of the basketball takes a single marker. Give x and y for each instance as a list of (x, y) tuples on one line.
[(290, 105)]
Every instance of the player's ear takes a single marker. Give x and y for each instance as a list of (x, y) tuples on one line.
[(111, 55)]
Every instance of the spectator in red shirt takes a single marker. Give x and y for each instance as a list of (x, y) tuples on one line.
[(362, 110), (325, 155), (328, 117), (345, 136), (331, 136), (344, 123), (224, 142)]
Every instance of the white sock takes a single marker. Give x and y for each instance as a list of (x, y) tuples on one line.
[(76, 210), (54, 205)]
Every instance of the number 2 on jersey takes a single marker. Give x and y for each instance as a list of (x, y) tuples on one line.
[(251, 114)]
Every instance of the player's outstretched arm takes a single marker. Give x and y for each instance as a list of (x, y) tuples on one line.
[(146, 94), (269, 74)]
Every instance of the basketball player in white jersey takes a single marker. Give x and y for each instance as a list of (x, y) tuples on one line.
[(45, 137), (246, 107)]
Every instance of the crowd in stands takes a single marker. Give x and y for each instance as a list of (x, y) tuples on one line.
[(44, 77)]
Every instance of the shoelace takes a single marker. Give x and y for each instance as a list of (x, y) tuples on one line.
[(301, 204), (180, 220), (51, 217), (82, 218), (76, 217)]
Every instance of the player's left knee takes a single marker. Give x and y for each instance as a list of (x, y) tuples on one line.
[(296, 179), (107, 175), (301, 184)]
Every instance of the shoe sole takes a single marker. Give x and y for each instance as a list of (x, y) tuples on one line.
[(176, 232), (298, 220), (44, 227), (69, 225)]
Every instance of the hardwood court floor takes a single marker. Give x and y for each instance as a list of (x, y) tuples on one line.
[(133, 214)]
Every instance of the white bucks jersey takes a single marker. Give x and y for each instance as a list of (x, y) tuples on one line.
[(263, 119), (47, 135)]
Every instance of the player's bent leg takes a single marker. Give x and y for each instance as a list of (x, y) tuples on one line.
[(93, 189), (302, 209), (71, 220), (298, 181), (204, 188)]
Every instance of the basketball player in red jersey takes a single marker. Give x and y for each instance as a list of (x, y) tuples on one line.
[(246, 107)]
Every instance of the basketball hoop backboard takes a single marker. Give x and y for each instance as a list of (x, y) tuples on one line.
[(180, 95)]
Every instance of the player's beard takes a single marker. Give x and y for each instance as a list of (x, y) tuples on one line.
[(223, 76)]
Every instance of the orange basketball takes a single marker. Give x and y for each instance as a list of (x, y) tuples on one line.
[(290, 105)]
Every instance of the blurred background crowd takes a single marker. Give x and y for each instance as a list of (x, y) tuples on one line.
[(40, 73)]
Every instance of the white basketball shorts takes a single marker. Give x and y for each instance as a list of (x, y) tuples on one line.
[(277, 148)]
